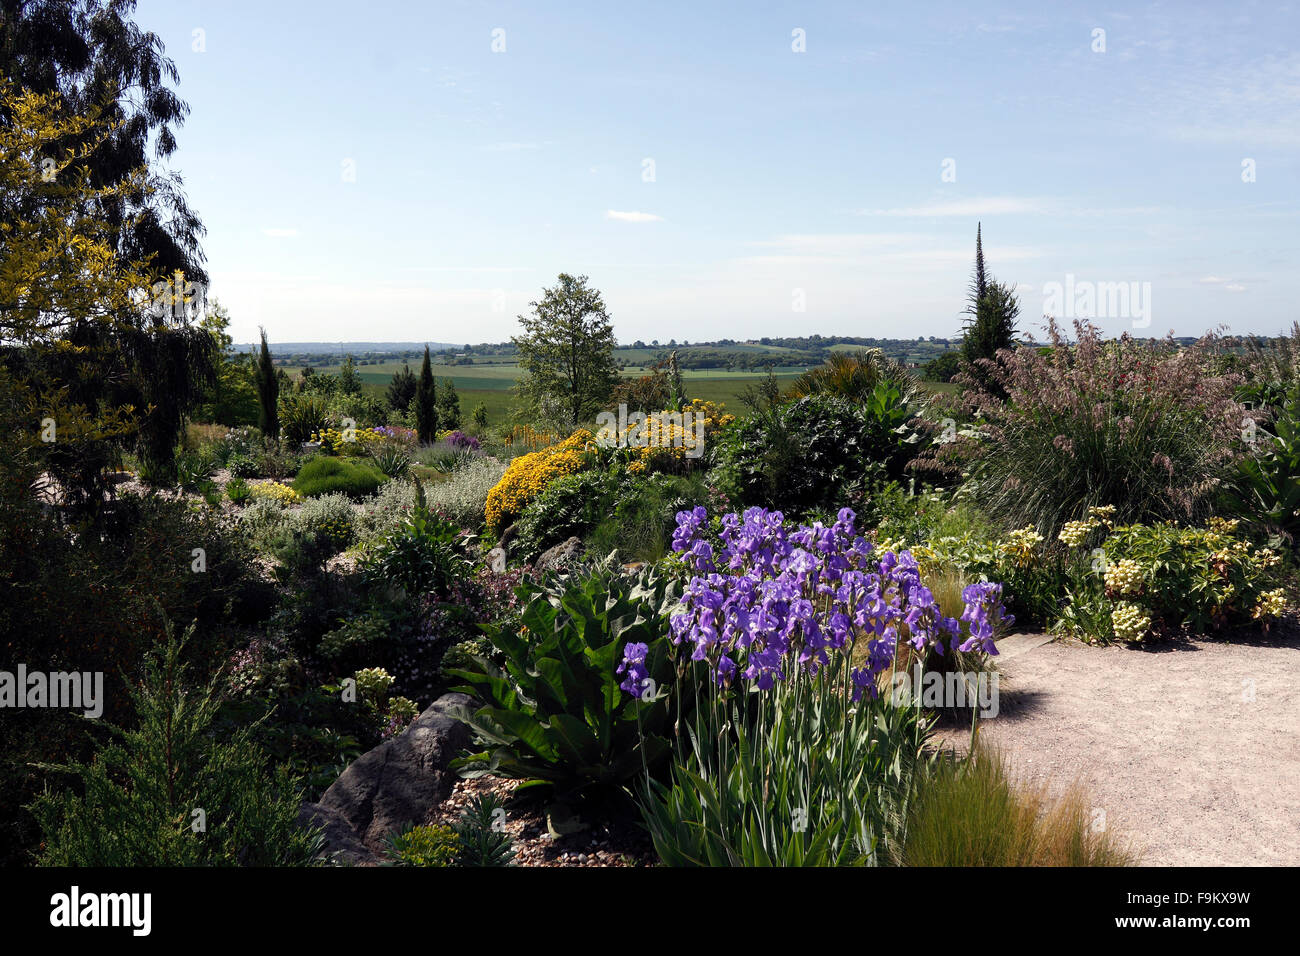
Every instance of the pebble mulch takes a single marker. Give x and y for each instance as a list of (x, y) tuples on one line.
[(610, 843)]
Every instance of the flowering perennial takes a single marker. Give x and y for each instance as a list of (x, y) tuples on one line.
[(772, 600)]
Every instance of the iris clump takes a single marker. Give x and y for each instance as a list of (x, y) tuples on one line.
[(790, 754), (774, 600)]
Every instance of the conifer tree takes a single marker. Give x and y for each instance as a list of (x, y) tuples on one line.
[(426, 402)]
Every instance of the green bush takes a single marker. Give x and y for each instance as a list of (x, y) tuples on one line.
[(329, 516), (237, 491), (385, 511), (244, 466), (422, 557), (570, 505), (814, 453), (302, 416), (423, 846), (1148, 428), (555, 716), (1133, 582), (323, 475), (137, 800), (1265, 493)]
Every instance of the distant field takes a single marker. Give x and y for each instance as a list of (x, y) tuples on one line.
[(491, 384)]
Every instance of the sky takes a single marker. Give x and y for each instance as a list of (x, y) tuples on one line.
[(388, 171)]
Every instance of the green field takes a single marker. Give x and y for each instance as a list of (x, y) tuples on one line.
[(491, 384)]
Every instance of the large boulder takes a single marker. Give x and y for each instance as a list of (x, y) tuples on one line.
[(341, 845), (561, 556), (403, 778)]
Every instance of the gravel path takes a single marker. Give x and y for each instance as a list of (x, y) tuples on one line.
[(1192, 749)]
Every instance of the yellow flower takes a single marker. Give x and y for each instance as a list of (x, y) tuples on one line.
[(1129, 622), (1124, 576), (1076, 532)]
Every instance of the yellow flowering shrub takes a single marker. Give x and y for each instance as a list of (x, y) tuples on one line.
[(528, 475), (274, 490), (334, 442)]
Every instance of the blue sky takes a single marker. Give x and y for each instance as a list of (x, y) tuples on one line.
[(781, 179)]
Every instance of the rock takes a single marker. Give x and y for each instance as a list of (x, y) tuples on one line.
[(403, 778), (508, 535), (497, 560), (560, 556), (342, 846)]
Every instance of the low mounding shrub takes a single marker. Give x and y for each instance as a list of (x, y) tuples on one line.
[(386, 510), (329, 516), (323, 475), (554, 716), (527, 476), (970, 813), (463, 496), (813, 453), (792, 757), (274, 491), (1147, 428), (244, 466), (1133, 582)]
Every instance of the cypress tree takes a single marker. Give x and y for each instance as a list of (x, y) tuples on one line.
[(426, 402), (268, 392)]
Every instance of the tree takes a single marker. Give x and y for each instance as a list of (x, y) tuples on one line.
[(567, 350), (86, 349), (92, 57), (401, 389), (267, 379), (480, 417), (942, 368), (232, 400), (993, 309), (349, 384), (994, 325), (449, 405), (426, 402)]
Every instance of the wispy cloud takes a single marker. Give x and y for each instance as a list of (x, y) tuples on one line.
[(1227, 285), (632, 216)]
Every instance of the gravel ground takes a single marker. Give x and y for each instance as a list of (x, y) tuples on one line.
[(1191, 748), (622, 844)]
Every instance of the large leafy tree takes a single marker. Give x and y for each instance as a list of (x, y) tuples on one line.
[(94, 57), (567, 350), (233, 399)]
